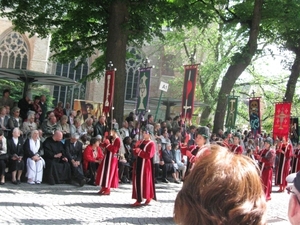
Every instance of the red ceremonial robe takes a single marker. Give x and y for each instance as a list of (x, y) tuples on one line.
[(107, 175), (142, 174), (296, 161), (266, 166), (283, 164), (236, 149)]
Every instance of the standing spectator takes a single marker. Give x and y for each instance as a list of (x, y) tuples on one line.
[(8, 111), (3, 157), (37, 109), (73, 149), (176, 123), (169, 124), (35, 162), (92, 157), (67, 110), (58, 111), (57, 169), (15, 120), (44, 107), (100, 127), (16, 153), (25, 105), (218, 191), (130, 117), (124, 131), (3, 120), (6, 100), (284, 153), (142, 175), (107, 175)]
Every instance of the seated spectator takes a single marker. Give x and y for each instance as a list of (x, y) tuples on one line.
[(57, 169), (35, 162), (67, 110), (71, 118), (76, 128), (217, 191), (63, 125), (58, 111), (29, 125), (49, 127), (41, 137), (85, 141), (180, 162), (88, 128), (92, 157), (6, 100), (73, 149), (169, 164), (3, 157), (15, 120), (126, 161), (16, 152)]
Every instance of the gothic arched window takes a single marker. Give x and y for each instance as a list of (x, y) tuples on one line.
[(13, 51)]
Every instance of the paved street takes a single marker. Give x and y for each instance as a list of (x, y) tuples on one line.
[(66, 204)]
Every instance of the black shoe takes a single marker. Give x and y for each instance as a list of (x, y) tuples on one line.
[(18, 181), (82, 183), (2, 183), (165, 180), (15, 182), (177, 181)]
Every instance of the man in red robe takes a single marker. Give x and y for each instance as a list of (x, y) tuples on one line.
[(107, 175), (284, 153), (236, 148), (142, 174), (266, 159)]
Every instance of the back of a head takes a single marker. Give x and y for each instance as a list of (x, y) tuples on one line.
[(222, 189)]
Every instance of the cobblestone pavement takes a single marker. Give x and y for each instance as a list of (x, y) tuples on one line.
[(67, 204)]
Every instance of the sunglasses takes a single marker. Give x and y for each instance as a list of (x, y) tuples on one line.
[(290, 191)]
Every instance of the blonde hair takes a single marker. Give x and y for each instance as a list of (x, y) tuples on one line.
[(222, 189)]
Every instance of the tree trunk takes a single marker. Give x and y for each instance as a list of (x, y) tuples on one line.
[(240, 63), (204, 120), (116, 52), (291, 84)]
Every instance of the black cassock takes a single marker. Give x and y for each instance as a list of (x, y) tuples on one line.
[(57, 171)]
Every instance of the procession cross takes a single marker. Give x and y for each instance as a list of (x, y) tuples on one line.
[(281, 117), (231, 112)]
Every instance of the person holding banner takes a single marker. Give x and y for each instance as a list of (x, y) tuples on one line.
[(284, 154), (201, 142), (143, 172), (266, 158), (107, 175)]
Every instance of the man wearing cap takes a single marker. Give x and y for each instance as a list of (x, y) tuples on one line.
[(107, 175), (236, 148), (143, 185), (266, 158), (73, 149), (202, 137), (294, 202)]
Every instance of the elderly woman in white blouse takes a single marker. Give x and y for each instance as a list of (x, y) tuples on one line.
[(35, 162), (29, 125)]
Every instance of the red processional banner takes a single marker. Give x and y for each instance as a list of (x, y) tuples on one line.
[(282, 117), (190, 75), (108, 91)]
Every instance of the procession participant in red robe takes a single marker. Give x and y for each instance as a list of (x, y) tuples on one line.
[(296, 160), (236, 148), (107, 175), (201, 143), (266, 158), (284, 153), (143, 171)]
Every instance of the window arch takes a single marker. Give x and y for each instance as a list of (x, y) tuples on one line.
[(13, 51), (133, 64)]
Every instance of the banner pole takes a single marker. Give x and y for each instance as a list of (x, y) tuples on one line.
[(158, 104)]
